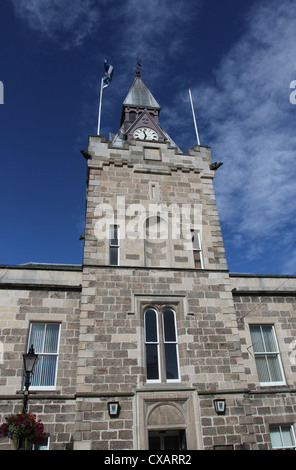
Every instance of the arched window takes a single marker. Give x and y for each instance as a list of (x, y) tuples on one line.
[(161, 345), (151, 344), (170, 344)]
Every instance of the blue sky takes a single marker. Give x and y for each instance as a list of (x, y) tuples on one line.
[(238, 58)]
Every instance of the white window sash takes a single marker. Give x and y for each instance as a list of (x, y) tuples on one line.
[(176, 346), (268, 353), (161, 342), (42, 354), (196, 245), (280, 435)]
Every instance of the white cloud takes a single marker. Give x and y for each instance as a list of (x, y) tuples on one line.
[(66, 21), (248, 120)]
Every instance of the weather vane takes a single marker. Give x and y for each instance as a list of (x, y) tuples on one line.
[(138, 73)]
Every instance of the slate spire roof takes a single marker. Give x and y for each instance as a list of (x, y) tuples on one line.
[(139, 95), (139, 100)]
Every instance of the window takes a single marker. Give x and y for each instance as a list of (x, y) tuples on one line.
[(44, 445), (282, 437), (114, 245), (267, 356), (161, 345), (153, 190), (196, 246), (45, 339), (167, 440)]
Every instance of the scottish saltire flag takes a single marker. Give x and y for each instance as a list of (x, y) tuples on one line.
[(108, 74)]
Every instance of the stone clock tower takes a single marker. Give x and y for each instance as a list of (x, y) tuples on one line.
[(150, 344), (140, 115), (158, 331)]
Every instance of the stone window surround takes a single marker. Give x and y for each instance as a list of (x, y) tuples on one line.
[(140, 302), (283, 348), (161, 342), (187, 411)]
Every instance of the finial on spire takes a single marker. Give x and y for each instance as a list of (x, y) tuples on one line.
[(138, 72)]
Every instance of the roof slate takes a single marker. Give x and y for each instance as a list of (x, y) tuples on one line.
[(139, 95)]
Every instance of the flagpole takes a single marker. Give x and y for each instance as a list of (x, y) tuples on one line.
[(194, 120), (100, 107)]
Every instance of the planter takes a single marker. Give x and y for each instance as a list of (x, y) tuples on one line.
[(21, 443), (23, 429)]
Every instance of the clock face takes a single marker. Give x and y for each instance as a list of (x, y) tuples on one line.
[(145, 133)]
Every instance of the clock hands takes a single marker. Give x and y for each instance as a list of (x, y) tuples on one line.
[(145, 133)]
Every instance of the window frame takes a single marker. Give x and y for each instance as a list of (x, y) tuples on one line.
[(114, 245), (152, 343), (197, 247), (292, 434), (268, 353), (180, 434), (161, 342), (56, 354), (44, 446)]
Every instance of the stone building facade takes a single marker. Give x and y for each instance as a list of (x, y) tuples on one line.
[(152, 320)]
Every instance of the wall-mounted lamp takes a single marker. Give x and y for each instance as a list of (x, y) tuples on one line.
[(220, 406), (30, 360), (113, 409)]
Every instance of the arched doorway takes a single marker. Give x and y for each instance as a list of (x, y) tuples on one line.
[(166, 428)]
